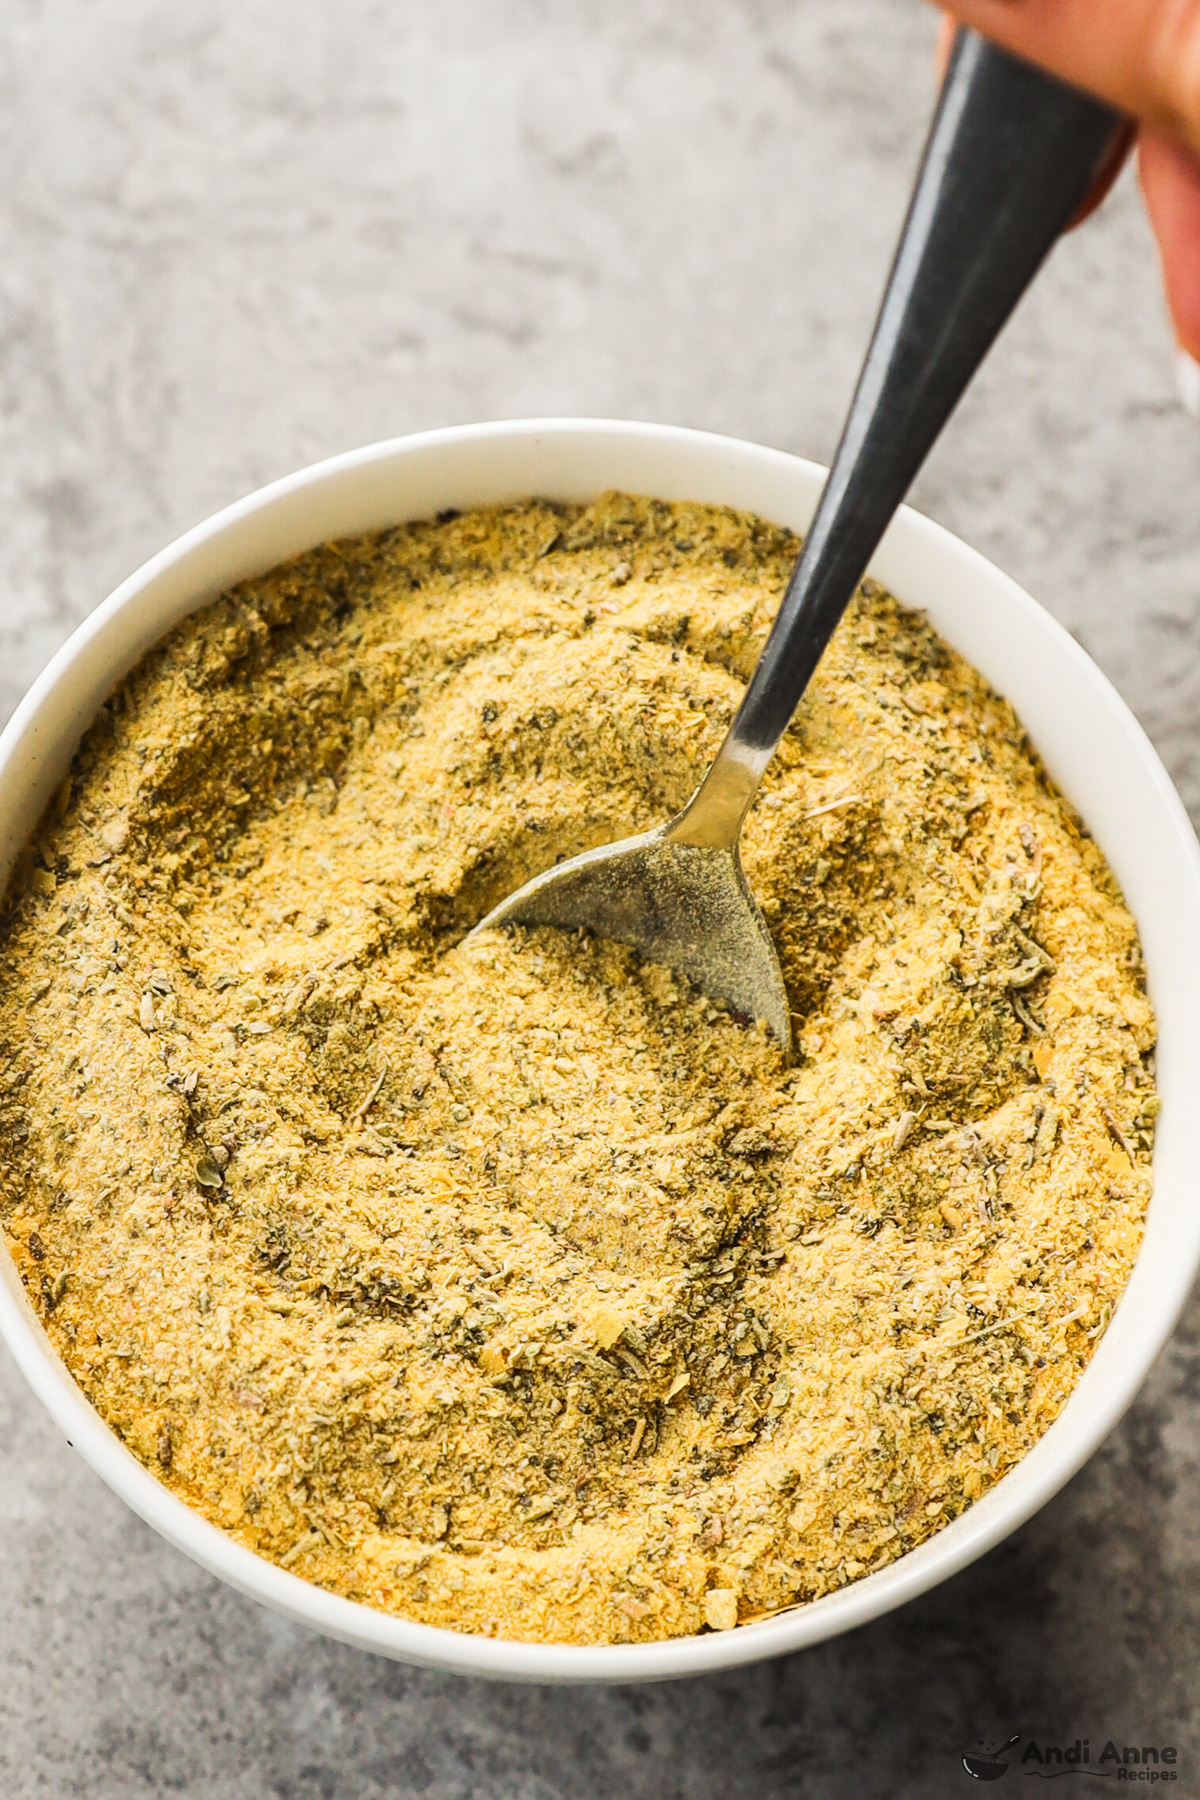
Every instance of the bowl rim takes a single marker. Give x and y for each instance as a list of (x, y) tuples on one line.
[(36, 745)]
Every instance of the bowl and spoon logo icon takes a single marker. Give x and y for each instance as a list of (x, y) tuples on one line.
[(986, 1761)]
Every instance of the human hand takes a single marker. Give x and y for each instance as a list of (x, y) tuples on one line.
[(1142, 56)]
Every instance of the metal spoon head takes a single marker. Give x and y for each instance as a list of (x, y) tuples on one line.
[(684, 905)]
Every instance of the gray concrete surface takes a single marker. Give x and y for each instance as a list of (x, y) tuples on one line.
[(236, 238)]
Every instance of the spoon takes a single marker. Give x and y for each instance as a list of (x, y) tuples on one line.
[(1010, 158)]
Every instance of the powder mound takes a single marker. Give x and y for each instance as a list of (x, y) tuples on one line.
[(510, 1285)]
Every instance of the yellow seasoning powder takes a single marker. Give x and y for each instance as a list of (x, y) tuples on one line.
[(512, 1286)]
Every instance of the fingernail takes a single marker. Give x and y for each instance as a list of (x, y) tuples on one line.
[(1187, 377)]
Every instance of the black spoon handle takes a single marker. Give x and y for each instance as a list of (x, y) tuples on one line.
[(1011, 155)]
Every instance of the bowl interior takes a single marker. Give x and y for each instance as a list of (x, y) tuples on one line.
[(1087, 737)]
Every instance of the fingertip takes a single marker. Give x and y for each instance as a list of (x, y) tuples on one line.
[(947, 31), (1187, 378), (1170, 177)]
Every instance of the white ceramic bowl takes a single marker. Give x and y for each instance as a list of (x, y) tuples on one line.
[(1091, 744)]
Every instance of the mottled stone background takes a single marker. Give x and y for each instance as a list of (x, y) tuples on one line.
[(237, 238)]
